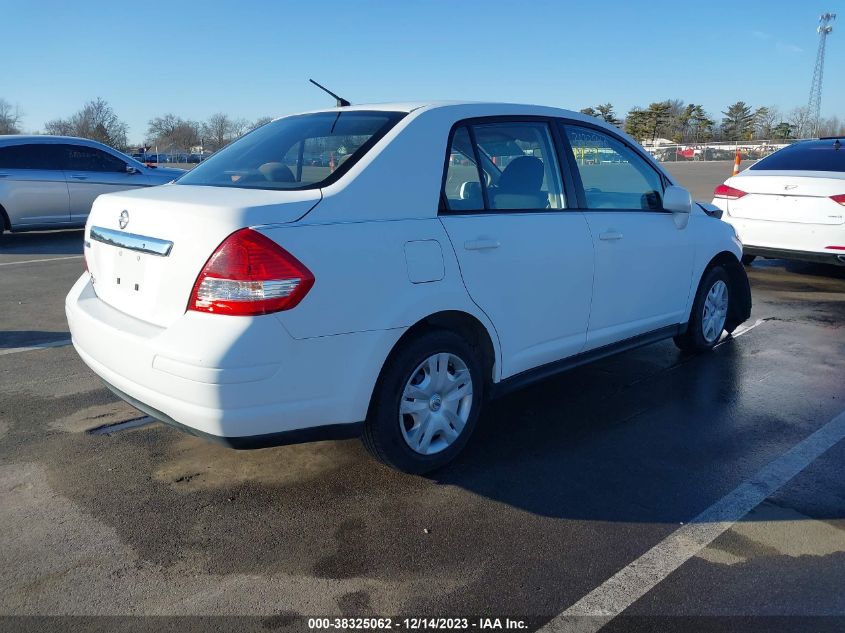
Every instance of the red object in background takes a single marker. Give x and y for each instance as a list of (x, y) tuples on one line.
[(331, 162)]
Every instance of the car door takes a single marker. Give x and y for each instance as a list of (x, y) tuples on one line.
[(526, 259), (643, 260), (92, 172), (33, 190)]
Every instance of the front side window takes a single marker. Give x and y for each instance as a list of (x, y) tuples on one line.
[(518, 168), (614, 176), (31, 156), (83, 158), (297, 152)]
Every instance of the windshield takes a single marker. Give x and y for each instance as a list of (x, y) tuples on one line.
[(297, 152), (823, 155)]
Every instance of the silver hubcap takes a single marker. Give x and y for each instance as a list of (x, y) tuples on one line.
[(715, 311), (436, 403)]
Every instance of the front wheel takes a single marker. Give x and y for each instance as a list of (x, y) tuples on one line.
[(709, 312), (426, 403)]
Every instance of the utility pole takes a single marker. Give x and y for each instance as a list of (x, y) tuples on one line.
[(814, 104)]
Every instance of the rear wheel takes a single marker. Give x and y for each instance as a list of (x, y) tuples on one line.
[(426, 403), (747, 259), (709, 312)]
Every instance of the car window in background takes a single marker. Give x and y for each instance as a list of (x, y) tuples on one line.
[(822, 155), (83, 158), (462, 187), (614, 176), (30, 156), (521, 165), (296, 152)]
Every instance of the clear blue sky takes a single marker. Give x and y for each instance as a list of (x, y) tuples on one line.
[(250, 58)]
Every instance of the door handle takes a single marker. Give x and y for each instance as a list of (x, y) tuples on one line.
[(4, 175), (610, 235), (481, 245), (79, 177)]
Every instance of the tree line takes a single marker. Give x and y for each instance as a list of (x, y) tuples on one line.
[(671, 119), (97, 120), (690, 123)]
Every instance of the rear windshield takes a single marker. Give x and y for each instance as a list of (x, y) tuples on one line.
[(824, 155), (297, 152)]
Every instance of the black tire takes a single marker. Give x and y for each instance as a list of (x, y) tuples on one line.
[(382, 435), (694, 340), (747, 259)]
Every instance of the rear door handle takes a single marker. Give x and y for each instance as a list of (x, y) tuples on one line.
[(481, 245), (610, 235), (4, 175), (79, 177)]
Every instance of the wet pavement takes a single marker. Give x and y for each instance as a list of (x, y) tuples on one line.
[(564, 484)]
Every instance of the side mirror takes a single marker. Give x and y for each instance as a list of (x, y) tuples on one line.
[(679, 202), (132, 170)]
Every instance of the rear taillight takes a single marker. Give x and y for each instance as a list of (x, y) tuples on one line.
[(840, 199), (250, 274), (728, 193)]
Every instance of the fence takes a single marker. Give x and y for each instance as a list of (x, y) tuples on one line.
[(749, 150)]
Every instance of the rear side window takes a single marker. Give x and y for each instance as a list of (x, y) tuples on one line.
[(297, 152), (614, 176), (83, 158), (503, 166), (32, 156), (823, 155), (462, 188)]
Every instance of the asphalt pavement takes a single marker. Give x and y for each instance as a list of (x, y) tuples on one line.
[(565, 486)]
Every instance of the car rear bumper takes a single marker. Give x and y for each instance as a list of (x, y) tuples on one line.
[(243, 381)]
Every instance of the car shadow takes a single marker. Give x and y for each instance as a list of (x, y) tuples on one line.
[(575, 446), (66, 242), (800, 268), (26, 338)]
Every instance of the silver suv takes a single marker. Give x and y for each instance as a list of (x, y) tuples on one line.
[(49, 182)]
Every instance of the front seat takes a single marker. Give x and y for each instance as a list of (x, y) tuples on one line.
[(520, 184)]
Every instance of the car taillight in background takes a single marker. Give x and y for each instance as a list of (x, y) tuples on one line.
[(250, 274), (840, 199), (728, 193)]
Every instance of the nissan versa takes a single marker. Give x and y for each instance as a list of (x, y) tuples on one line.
[(383, 270)]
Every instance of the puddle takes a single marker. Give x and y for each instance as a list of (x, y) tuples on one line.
[(96, 416), (195, 463), (109, 429)]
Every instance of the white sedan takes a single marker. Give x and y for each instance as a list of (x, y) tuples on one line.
[(380, 271), (790, 205)]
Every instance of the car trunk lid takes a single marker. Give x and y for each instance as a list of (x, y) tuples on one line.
[(789, 197), (146, 248)]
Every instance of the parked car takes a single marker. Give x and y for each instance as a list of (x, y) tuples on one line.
[(256, 303), (49, 182), (791, 204)]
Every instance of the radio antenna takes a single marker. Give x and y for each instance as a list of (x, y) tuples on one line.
[(340, 101)]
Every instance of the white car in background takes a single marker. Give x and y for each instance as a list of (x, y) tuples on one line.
[(791, 204), (444, 253)]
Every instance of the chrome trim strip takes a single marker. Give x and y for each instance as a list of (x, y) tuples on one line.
[(131, 241)]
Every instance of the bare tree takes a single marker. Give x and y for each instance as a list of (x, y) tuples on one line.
[(96, 121), (173, 131), (220, 129), (10, 118), (799, 120), (765, 120), (264, 120)]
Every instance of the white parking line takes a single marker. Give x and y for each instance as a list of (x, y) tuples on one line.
[(37, 261), (16, 350), (631, 583), (740, 331)]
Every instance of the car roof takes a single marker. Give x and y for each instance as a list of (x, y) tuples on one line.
[(473, 108), (17, 139)]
